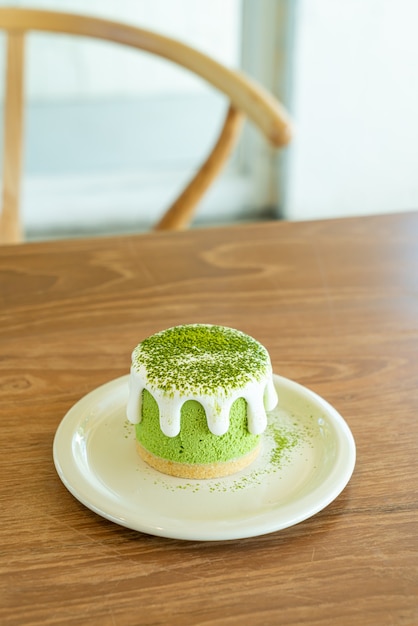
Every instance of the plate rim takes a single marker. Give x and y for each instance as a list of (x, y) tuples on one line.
[(341, 431)]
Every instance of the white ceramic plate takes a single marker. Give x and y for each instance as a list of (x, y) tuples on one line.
[(307, 459)]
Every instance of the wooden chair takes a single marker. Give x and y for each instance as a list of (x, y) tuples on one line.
[(246, 99)]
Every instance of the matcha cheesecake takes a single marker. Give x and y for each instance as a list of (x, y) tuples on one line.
[(198, 395)]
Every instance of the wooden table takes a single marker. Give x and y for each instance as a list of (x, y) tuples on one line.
[(336, 304)]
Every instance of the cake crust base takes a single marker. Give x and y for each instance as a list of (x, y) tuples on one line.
[(197, 470)]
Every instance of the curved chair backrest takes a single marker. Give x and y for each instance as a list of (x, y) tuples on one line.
[(246, 98)]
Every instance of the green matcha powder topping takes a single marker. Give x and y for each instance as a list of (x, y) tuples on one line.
[(201, 358)]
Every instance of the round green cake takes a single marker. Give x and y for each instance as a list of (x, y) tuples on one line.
[(198, 395)]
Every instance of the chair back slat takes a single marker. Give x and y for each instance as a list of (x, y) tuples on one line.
[(10, 227), (180, 213)]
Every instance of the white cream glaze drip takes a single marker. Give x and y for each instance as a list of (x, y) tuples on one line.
[(259, 395)]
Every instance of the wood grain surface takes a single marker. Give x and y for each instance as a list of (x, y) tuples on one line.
[(336, 304)]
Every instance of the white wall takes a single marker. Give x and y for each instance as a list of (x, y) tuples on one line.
[(355, 103)]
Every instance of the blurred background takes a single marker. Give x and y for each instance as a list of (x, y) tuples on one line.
[(113, 134)]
